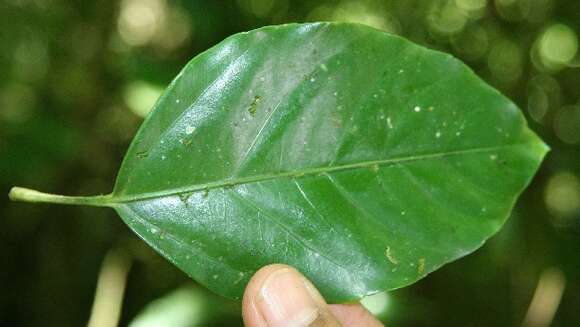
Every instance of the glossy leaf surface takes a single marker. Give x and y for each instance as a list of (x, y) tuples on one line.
[(359, 158)]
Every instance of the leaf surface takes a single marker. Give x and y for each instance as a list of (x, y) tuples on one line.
[(360, 158)]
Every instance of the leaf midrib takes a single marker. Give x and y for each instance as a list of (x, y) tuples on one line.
[(112, 200)]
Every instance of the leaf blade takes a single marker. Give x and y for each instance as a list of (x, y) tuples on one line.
[(316, 145)]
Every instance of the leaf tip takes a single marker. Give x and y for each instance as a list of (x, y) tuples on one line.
[(542, 149)]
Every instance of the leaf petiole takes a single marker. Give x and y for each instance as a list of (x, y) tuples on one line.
[(28, 195)]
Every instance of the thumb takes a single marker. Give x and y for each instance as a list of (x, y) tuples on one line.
[(279, 296)]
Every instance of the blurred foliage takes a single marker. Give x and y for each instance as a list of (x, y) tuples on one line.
[(77, 78)]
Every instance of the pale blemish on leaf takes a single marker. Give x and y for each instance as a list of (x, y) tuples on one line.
[(390, 256), (421, 266), (253, 108), (241, 276), (142, 154), (185, 141), (184, 197), (389, 123), (189, 129)]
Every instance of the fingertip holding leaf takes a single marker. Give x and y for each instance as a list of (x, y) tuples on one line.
[(359, 158)]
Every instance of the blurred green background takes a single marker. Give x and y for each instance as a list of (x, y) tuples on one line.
[(77, 78)]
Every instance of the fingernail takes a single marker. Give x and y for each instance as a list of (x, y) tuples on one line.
[(288, 299)]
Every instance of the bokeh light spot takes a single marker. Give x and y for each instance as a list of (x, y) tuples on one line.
[(377, 304), (259, 8), (562, 195), (446, 18), (357, 12), (472, 43), (140, 97), (473, 8), (505, 61), (567, 124), (139, 20), (558, 45), (176, 31), (471, 4), (543, 94), (514, 10)]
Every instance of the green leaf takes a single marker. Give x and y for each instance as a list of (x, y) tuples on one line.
[(186, 306), (358, 157), (180, 308)]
